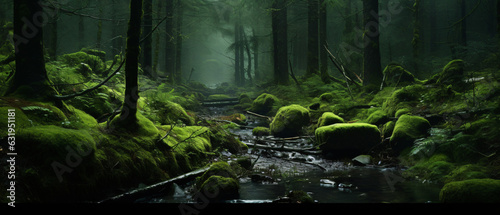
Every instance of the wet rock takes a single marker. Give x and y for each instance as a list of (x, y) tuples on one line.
[(261, 131), (362, 160), (289, 121), (295, 196), (327, 183), (261, 178)]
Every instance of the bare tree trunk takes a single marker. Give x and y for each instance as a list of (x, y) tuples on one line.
[(371, 60), (170, 42), (280, 40), (312, 44), (325, 77), (30, 79), (129, 108), (178, 54), (237, 60), (147, 58)]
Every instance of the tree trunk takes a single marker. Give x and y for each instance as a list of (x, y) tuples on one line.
[(463, 24), (237, 60), (241, 47), (170, 42), (147, 58), (247, 48), (371, 59), (323, 42), (416, 34), (157, 41), (280, 42), (178, 54), (312, 44), (129, 108), (99, 25), (433, 30), (30, 79), (255, 43)]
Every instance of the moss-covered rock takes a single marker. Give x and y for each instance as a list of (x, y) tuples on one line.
[(388, 128), (452, 74), (378, 117), (329, 118), (407, 97), (289, 121), (80, 58), (347, 139), (221, 169), (261, 131), (396, 75), (173, 113), (265, 104), (466, 172), (408, 129), (222, 188), (471, 191), (435, 168)]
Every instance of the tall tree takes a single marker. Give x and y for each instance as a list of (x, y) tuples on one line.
[(30, 78), (129, 108), (323, 42), (372, 68), (170, 42), (237, 57), (312, 39), (147, 57), (280, 42), (178, 47)]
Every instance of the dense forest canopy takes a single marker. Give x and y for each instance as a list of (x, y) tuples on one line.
[(167, 100)]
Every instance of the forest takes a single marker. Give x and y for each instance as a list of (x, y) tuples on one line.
[(262, 102)]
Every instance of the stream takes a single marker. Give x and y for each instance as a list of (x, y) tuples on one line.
[(276, 173)]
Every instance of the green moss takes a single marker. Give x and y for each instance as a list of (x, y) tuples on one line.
[(435, 168), (21, 120), (299, 196), (401, 112), (408, 129), (221, 138), (388, 128), (407, 97), (395, 75), (327, 97), (289, 121), (471, 191), (220, 168), (224, 187), (80, 58), (378, 117), (261, 131), (329, 118), (173, 113), (83, 119), (265, 104), (347, 139), (218, 97), (466, 172)]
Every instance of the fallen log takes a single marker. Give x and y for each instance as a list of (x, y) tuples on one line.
[(154, 189)]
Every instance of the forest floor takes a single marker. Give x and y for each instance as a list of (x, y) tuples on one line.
[(72, 150)]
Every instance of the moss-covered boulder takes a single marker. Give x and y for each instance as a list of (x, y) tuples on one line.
[(466, 172), (220, 180), (261, 131), (378, 117), (407, 97), (220, 188), (396, 75), (329, 118), (265, 104), (388, 128), (347, 139), (173, 113), (434, 169), (407, 130), (78, 59), (453, 74), (471, 191), (289, 121)]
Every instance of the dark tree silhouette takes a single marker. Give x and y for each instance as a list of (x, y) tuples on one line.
[(312, 44), (371, 60), (280, 41)]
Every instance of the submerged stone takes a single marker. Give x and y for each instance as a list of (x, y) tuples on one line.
[(347, 139), (471, 191), (289, 121)]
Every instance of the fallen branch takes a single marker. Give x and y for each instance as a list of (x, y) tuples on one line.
[(341, 69), (308, 151), (154, 189), (258, 115)]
